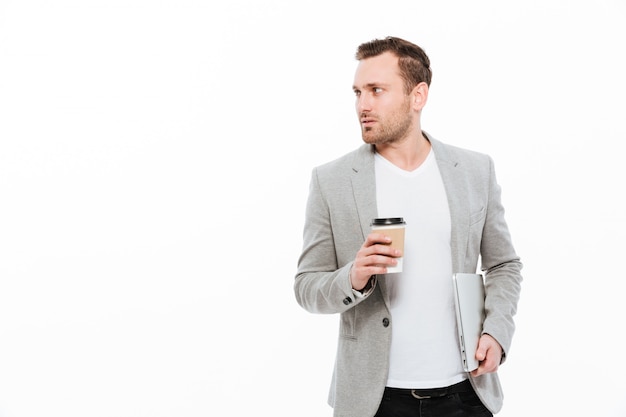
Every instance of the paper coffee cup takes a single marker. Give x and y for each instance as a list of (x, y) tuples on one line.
[(394, 228)]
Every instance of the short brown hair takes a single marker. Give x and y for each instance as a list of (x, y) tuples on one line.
[(412, 60)]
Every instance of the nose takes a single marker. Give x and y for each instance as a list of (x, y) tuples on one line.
[(363, 103)]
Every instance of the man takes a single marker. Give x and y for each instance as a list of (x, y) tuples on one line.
[(398, 353)]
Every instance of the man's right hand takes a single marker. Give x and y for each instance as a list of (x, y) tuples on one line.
[(372, 259)]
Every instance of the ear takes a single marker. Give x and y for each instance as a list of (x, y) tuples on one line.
[(419, 96)]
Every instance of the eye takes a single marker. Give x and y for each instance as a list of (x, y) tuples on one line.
[(357, 93), (377, 90)]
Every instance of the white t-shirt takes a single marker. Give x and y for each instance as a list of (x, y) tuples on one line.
[(424, 346)]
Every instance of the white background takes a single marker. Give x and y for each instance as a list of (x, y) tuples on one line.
[(154, 166)]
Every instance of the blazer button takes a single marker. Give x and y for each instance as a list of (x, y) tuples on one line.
[(385, 322), (347, 300)]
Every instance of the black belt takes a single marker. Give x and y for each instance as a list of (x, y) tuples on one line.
[(424, 394)]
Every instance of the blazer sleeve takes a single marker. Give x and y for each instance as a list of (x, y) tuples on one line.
[(322, 283), (501, 266)]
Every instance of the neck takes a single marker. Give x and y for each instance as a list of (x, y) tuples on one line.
[(407, 154)]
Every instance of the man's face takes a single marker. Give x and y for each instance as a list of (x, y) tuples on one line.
[(383, 107)]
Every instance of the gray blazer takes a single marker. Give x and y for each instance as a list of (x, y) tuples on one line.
[(341, 203)]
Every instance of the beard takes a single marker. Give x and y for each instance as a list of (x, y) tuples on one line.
[(390, 130)]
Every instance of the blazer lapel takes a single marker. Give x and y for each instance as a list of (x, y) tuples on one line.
[(458, 201), (364, 189)]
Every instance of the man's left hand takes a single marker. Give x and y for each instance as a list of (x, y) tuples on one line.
[(489, 355)]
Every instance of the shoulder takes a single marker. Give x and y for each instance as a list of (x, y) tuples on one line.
[(460, 157), (350, 162)]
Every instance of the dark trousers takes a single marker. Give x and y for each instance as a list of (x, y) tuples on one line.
[(458, 400)]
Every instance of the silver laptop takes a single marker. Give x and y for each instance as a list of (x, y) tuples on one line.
[(469, 299)]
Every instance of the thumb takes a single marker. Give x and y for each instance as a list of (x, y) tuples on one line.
[(481, 352)]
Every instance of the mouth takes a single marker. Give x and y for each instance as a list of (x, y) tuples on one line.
[(367, 122)]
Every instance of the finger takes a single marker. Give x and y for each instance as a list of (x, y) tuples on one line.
[(374, 264), (377, 254), (486, 366), (491, 362), (376, 238), (384, 250), (481, 352)]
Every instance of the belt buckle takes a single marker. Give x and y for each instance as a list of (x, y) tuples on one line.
[(420, 397)]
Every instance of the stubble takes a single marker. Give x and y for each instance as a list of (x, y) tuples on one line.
[(391, 129)]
